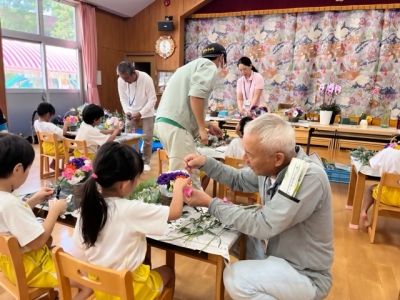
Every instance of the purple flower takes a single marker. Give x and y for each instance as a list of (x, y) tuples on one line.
[(78, 162), (166, 178), (338, 88)]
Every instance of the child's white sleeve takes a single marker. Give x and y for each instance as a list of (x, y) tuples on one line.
[(21, 222), (57, 130)]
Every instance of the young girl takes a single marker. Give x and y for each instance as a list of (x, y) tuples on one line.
[(46, 111), (112, 230), (17, 218)]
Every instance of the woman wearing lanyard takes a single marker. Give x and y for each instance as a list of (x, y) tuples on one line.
[(249, 87)]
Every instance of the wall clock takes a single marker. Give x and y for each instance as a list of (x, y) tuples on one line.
[(165, 46)]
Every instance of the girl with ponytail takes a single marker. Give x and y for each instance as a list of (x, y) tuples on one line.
[(45, 111), (250, 86), (112, 230)]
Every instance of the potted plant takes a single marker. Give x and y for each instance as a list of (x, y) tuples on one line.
[(257, 111), (215, 108), (328, 110), (165, 183), (294, 114)]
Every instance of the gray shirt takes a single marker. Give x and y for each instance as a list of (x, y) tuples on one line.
[(299, 230)]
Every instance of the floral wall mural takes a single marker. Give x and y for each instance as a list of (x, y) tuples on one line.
[(296, 53)]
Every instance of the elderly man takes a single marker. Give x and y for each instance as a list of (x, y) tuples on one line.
[(290, 237), (138, 97), (182, 109)]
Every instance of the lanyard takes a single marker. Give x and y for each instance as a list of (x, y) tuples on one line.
[(129, 94), (244, 87), (274, 187)]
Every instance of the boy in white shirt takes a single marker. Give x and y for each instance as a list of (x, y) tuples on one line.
[(386, 161), (235, 148), (92, 116)]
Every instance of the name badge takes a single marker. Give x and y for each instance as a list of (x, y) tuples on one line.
[(247, 102)]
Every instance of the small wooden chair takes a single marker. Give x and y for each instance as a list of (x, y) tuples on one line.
[(74, 145), (44, 158), (238, 163), (118, 283), (388, 180), (9, 247), (162, 158)]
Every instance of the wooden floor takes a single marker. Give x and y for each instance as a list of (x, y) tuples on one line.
[(361, 271)]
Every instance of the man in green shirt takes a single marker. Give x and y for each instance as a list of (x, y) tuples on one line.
[(182, 109)]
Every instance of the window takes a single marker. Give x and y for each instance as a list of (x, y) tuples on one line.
[(39, 41), (19, 15), (59, 20), (22, 64), (62, 68)]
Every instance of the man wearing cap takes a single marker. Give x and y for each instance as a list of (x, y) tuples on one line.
[(182, 109)]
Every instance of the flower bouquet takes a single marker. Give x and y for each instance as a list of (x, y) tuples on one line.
[(73, 122), (165, 183), (257, 111), (112, 120), (294, 114), (75, 172)]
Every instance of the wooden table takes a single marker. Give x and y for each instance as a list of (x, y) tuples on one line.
[(355, 193), (130, 139), (350, 132), (216, 260)]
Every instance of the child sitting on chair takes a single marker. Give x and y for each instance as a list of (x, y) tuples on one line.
[(18, 219), (235, 148), (112, 230), (45, 111), (92, 116), (387, 161)]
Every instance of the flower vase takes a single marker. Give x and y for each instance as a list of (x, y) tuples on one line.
[(72, 126), (214, 113), (325, 117), (165, 195), (293, 119), (385, 118)]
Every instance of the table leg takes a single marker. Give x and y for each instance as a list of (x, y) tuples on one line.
[(220, 190), (214, 192), (352, 187), (358, 197), (309, 140), (219, 280), (242, 247), (170, 259)]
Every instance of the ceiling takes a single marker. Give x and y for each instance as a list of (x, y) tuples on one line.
[(123, 8)]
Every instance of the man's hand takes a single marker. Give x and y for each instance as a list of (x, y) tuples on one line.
[(136, 116), (193, 162), (198, 198), (203, 136), (215, 130)]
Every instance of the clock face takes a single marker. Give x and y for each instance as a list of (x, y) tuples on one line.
[(165, 46)]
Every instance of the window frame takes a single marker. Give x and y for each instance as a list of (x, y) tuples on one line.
[(44, 41)]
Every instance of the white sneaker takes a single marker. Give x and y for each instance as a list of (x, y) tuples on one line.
[(146, 168)]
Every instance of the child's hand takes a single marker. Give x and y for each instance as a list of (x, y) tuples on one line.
[(67, 122), (180, 183), (44, 193), (116, 127), (59, 206)]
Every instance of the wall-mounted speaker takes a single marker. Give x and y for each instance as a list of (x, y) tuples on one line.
[(165, 26)]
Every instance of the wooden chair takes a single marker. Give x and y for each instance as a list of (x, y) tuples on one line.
[(9, 247), (74, 145), (162, 158), (118, 283), (388, 180), (44, 158), (238, 163)]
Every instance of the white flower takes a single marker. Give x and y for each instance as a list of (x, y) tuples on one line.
[(295, 113)]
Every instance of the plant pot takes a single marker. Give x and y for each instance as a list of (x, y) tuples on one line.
[(293, 119), (325, 117), (73, 126), (214, 113)]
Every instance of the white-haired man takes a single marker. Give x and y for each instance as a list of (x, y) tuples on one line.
[(289, 246)]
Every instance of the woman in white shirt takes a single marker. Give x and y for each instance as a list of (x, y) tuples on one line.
[(235, 148), (46, 111), (250, 86)]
